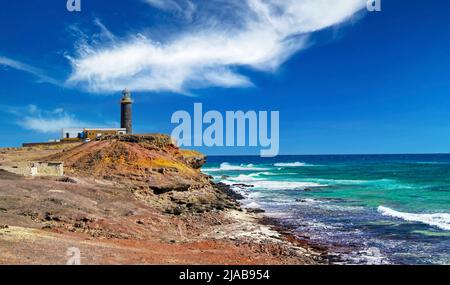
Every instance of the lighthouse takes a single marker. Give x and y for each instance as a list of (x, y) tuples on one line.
[(126, 111)]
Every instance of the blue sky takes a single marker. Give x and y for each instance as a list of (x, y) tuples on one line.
[(344, 80)]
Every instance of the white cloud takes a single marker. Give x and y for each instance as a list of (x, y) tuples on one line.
[(48, 121), (262, 35), (27, 68)]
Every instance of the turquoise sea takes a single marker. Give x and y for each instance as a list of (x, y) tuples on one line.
[(371, 209)]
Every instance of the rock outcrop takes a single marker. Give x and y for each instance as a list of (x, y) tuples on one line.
[(153, 168)]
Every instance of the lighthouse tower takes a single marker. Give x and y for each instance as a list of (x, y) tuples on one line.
[(126, 111)]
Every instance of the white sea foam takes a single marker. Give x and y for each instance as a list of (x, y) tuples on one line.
[(266, 173), (259, 183), (253, 205), (230, 167), (277, 185), (368, 256), (290, 164), (440, 220), (244, 178)]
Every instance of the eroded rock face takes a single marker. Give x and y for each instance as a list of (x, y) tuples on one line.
[(153, 168), (195, 159)]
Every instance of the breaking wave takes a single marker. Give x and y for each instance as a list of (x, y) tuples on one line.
[(230, 167), (440, 220), (378, 182), (244, 178), (290, 164), (275, 185)]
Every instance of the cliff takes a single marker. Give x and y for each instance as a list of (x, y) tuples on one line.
[(152, 168)]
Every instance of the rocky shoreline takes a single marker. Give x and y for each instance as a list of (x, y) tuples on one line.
[(321, 252)]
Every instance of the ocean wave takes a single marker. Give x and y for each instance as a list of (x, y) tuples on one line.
[(440, 220), (267, 173), (290, 164), (381, 182), (245, 178), (329, 205), (433, 162), (277, 185), (337, 181), (230, 167), (257, 175)]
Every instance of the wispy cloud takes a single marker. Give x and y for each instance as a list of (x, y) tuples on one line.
[(182, 7), (104, 30), (48, 121), (262, 35), (40, 74)]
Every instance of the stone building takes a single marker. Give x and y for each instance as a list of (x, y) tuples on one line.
[(42, 168)]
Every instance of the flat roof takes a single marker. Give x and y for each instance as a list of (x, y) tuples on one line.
[(105, 129)]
